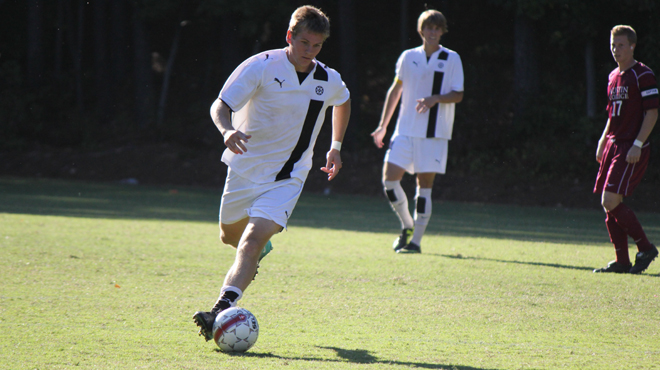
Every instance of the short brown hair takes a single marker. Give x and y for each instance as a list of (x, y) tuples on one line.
[(623, 30), (431, 17), (311, 19)]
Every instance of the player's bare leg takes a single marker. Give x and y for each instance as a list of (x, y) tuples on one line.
[(256, 233), (230, 234), (392, 175)]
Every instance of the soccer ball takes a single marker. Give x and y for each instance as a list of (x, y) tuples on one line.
[(235, 330)]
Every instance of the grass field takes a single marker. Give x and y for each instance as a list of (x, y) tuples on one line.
[(108, 276)]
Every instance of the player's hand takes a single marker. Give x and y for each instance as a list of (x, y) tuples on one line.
[(234, 140), (333, 164), (424, 104), (379, 135), (633, 154)]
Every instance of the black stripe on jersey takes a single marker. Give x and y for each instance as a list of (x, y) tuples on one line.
[(433, 112), (304, 139), (443, 56), (321, 74), (649, 93)]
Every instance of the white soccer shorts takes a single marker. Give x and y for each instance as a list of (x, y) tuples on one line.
[(243, 198), (417, 154)]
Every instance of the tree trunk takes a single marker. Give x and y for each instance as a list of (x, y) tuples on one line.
[(168, 74), (59, 41), (591, 78), (75, 41), (526, 74), (349, 63), (35, 52), (101, 74), (119, 45), (143, 75), (403, 32)]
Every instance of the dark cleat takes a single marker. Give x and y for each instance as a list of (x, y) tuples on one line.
[(402, 240), (205, 322), (644, 259), (615, 267), (410, 248)]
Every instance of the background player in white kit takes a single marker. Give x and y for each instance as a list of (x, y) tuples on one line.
[(429, 82), (270, 112)]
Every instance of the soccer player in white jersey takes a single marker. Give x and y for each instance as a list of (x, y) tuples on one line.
[(270, 112), (429, 83)]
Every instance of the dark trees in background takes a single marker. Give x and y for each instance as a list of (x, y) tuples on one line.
[(533, 70)]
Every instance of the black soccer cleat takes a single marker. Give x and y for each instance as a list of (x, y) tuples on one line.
[(410, 248), (644, 259), (615, 267), (402, 240), (205, 322)]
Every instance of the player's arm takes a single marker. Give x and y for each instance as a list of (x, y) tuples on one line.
[(221, 115), (602, 142), (427, 103), (391, 100), (340, 116), (650, 118)]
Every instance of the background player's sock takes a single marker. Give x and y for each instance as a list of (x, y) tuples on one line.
[(619, 238), (423, 209), (399, 203), (628, 221), (229, 295)]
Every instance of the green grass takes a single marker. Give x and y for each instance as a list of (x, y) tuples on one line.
[(108, 276)]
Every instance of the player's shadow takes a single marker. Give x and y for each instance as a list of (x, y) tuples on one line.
[(554, 265), (357, 356)]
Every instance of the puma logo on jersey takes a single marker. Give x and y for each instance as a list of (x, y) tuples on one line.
[(266, 57), (415, 63), (279, 82)]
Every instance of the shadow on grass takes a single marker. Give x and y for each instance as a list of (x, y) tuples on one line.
[(341, 212), (357, 356), (554, 265)]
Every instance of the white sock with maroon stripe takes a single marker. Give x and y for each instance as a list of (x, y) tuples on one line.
[(399, 203), (423, 209)]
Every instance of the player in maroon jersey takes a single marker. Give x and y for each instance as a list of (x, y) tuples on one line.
[(623, 152)]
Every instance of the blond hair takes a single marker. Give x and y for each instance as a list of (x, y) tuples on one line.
[(431, 17), (623, 30), (309, 18)]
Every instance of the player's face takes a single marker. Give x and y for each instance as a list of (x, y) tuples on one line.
[(431, 34), (303, 48), (622, 50)]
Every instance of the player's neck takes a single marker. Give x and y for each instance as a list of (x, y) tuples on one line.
[(624, 66), (431, 48)]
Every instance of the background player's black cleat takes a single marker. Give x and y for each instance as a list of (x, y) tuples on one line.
[(615, 267), (644, 259), (410, 248), (205, 322), (402, 240)]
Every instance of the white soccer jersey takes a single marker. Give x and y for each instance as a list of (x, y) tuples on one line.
[(283, 116), (441, 74)]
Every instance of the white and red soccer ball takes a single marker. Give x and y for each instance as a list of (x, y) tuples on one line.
[(235, 330)]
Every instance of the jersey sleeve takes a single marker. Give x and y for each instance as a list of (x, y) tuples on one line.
[(242, 84), (458, 78), (648, 87), (400, 70)]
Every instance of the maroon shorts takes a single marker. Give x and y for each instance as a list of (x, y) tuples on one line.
[(615, 174)]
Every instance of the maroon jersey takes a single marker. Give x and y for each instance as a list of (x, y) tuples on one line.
[(631, 93)]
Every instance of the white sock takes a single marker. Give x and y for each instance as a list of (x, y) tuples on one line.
[(423, 209), (399, 203), (230, 297)]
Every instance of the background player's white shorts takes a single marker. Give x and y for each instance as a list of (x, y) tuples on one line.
[(273, 201), (418, 154)]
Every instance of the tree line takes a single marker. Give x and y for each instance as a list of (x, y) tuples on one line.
[(92, 72)]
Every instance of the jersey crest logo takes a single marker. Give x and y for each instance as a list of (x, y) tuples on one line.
[(279, 82), (319, 90)]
